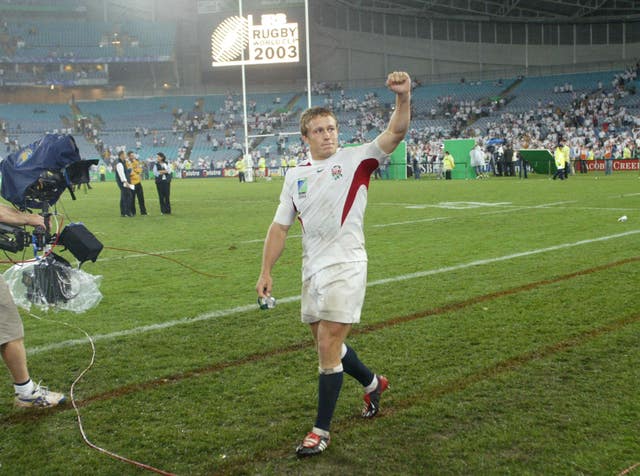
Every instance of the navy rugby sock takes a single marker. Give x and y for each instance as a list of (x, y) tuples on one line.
[(329, 385), (353, 366)]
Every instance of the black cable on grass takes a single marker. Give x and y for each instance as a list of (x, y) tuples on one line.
[(156, 255)]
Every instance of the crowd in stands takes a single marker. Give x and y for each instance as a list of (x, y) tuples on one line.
[(596, 124), (199, 135), (601, 120)]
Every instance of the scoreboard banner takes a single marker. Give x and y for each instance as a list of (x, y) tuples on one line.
[(238, 41)]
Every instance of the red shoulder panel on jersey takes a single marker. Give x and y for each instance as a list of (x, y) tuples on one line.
[(361, 177)]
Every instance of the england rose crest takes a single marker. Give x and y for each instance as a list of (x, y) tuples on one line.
[(336, 172)]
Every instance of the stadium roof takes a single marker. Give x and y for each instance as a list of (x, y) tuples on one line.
[(520, 10)]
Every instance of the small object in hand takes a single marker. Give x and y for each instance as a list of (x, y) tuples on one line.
[(267, 302)]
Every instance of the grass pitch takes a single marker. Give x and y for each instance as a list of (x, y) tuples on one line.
[(504, 312)]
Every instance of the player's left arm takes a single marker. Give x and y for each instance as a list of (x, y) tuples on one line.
[(400, 83)]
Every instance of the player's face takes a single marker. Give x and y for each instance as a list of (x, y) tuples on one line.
[(322, 137)]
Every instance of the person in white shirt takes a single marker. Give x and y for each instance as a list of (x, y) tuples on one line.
[(328, 196), (477, 161), (124, 184)]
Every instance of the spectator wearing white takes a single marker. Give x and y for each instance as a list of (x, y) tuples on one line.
[(477, 161)]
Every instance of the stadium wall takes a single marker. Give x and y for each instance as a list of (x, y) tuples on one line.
[(340, 55)]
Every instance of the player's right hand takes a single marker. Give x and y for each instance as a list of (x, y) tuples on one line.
[(263, 286)]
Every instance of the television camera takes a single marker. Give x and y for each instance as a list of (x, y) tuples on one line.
[(35, 177)]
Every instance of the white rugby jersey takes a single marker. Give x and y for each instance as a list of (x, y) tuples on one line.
[(329, 198)]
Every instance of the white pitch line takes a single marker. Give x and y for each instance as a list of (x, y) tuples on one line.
[(249, 307), (605, 208), (410, 222), (260, 240), (545, 206), (461, 205), (625, 195), (552, 204)]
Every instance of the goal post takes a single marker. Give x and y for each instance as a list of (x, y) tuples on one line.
[(268, 40)]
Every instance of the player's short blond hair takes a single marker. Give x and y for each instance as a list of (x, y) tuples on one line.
[(310, 114)]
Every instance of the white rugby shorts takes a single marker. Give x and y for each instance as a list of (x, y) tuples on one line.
[(335, 293)]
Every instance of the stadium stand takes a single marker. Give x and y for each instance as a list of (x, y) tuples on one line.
[(78, 53), (557, 89), (209, 129), (90, 42)]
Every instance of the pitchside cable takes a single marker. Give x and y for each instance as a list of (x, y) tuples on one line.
[(629, 469), (79, 418), (190, 268), (151, 254)]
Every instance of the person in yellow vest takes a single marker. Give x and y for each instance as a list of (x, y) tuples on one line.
[(262, 167), (448, 164), (102, 170), (292, 162), (626, 152), (561, 159), (240, 168), (284, 165), (568, 166), (135, 179)]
